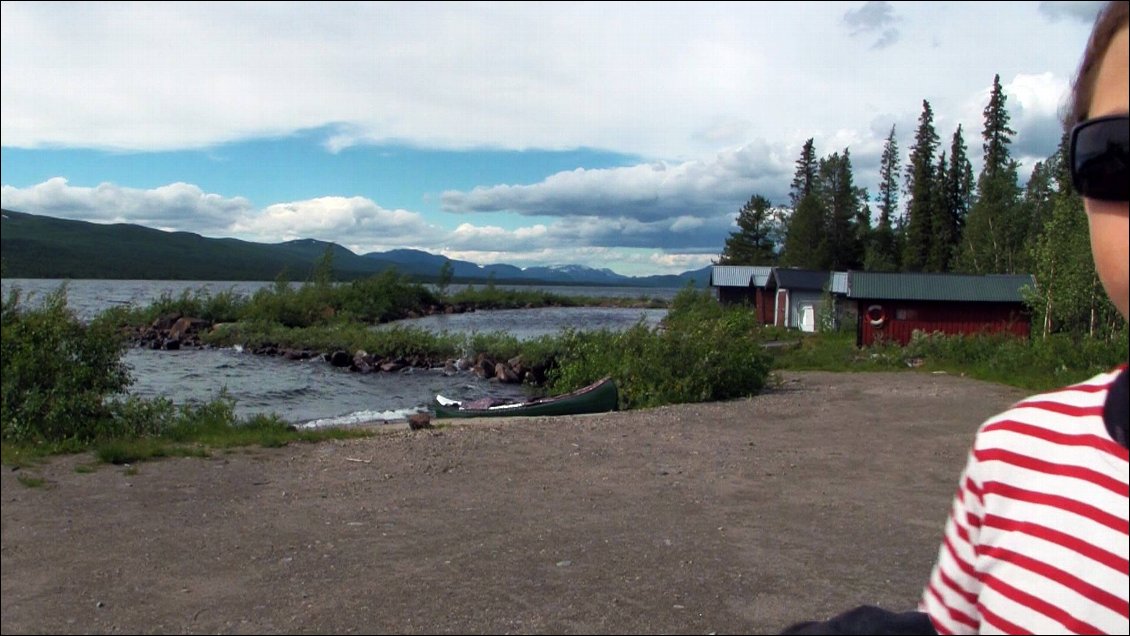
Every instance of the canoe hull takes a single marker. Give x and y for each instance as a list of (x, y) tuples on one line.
[(599, 397)]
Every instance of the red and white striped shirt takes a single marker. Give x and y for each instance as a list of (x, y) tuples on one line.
[(1038, 540)]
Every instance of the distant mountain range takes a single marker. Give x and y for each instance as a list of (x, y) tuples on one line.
[(35, 246)]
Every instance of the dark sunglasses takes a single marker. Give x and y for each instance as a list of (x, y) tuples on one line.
[(1100, 149)]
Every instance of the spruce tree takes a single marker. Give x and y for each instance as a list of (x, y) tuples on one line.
[(841, 202), (863, 229), (1038, 200), (804, 178), (752, 243), (882, 251), (958, 186), (920, 188), (804, 243), (942, 233), (994, 236)]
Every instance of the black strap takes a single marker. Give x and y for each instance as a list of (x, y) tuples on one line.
[(868, 619), (1116, 411)]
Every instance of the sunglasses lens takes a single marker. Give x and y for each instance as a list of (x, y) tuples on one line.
[(1100, 150)]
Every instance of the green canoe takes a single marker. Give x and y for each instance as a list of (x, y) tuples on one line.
[(598, 397)]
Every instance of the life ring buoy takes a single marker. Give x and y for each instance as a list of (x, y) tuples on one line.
[(876, 315)]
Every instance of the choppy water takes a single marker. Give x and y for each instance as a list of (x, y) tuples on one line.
[(526, 324), (312, 392)]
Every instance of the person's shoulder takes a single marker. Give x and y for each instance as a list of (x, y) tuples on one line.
[(1081, 393), (1075, 409)]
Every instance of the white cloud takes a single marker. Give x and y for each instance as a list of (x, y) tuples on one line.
[(670, 80), (354, 219), (686, 223), (681, 262), (645, 192), (179, 206)]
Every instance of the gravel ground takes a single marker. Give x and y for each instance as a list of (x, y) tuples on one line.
[(827, 492)]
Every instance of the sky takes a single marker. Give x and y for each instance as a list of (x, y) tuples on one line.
[(614, 135)]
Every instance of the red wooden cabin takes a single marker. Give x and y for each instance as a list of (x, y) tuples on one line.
[(892, 306)]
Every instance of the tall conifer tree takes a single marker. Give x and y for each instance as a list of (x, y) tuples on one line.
[(841, 199), (993, 241), (1039, 199), (883, 252), (804, 244), (959, 186), (942, 233), (920, 188), (804, 178), (863, 229), (752, 243), (804, 238)]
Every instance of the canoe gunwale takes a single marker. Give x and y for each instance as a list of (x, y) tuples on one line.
[(599, 397)]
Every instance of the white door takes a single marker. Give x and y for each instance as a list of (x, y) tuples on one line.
[(807, 318)]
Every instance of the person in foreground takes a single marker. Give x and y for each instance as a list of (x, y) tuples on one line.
[(1038, 538)]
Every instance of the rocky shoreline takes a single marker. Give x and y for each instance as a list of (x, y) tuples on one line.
[(175, 331)]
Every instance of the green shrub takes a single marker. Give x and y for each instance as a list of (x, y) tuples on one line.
[(377, 299), (385, 297), (223, 306), (57, 373), (702, 352), (491, 297)]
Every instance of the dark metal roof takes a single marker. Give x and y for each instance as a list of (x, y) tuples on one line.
[(957, 287), (738, 275), (788, 278)]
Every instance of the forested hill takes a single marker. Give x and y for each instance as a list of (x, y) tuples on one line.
[(35, 246)]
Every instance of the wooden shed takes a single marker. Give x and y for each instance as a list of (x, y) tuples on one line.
[(798, 296), (744, 284), (892, 306)]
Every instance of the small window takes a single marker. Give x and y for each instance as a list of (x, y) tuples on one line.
[(906, 314)]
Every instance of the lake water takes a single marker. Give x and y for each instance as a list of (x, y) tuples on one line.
[(312, 392)]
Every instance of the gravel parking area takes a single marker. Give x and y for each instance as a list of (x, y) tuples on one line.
[(827, 492)]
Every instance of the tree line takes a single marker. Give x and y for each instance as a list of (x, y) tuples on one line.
[(934, 215)]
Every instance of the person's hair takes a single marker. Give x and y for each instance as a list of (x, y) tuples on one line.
[(1113, 17)]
